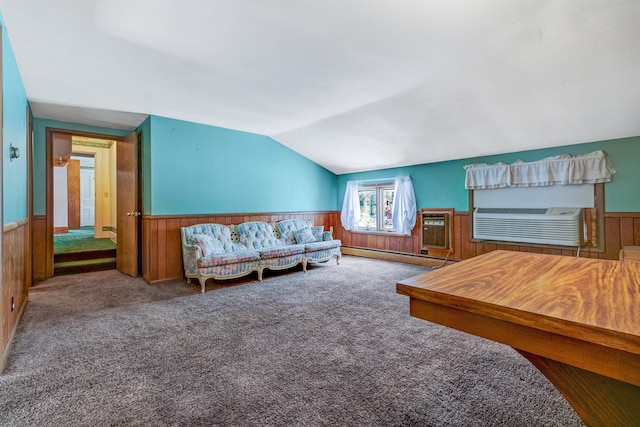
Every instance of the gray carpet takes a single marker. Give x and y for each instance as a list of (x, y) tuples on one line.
[(332, 347)]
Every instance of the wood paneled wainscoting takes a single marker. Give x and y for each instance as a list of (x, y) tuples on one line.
[(16, 279), (42, 244), (162, 250), (408, 249), (621, 229)]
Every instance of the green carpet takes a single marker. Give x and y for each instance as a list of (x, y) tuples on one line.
[(81, 240)]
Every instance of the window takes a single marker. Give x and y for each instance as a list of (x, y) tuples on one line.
[(385, 208), (376, 207)]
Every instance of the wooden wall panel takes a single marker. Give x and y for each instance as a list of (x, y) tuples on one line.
[(621, 229), (173, 248), (162, 250), (161, 245), (15, 284), (626, 231), (153, 234), (612, 238), (146, 249), (39, 247), (467, 248)]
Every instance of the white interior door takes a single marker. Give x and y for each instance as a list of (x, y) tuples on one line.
[(87, 197), (60, 198)]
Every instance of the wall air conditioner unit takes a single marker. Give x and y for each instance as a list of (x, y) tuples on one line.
[(550, 226)]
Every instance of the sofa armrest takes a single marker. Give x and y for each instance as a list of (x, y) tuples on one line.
[(190, 255)]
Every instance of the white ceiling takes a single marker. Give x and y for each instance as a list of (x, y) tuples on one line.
[(352, 84)]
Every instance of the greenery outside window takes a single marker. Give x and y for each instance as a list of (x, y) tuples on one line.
[(376, 208)]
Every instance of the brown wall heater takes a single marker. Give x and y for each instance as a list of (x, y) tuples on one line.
[(436, 229)]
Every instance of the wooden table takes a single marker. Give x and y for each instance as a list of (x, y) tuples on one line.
[(575, 319)]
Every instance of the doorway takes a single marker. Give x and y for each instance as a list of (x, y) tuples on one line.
[(114, 216), (82, 240)]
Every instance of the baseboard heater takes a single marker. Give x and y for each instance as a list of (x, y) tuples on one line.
[(551, 226)]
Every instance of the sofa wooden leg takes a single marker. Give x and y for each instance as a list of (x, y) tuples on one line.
[(337, 259), (260, 270), (202, 284)]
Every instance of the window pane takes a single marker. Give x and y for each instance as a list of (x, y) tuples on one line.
[(367, 209), (387, 220)]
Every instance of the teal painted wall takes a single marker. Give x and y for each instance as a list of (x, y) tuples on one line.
[(14, 179), (437, 185), (441, 185), (145, 130), (198, 169), (40, 153)]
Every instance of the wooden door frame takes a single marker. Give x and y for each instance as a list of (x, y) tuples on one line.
[(29, 243), (49, 185), (4, 303)]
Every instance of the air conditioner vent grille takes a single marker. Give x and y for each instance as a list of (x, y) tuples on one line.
[(529, 211), (554, 226)]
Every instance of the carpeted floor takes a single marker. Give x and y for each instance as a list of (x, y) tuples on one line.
[(332, 347)]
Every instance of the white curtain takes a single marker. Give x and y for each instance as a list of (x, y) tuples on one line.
[(350, 214), (590, 168), (404, 206)]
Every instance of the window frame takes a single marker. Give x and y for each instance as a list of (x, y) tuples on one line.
[(379, 189)]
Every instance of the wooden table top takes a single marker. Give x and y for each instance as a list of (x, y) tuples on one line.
[(592, 300)]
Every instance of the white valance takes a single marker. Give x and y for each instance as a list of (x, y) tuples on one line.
[(591, 168)]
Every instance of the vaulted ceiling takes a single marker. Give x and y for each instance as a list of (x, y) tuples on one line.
[(353, 84)]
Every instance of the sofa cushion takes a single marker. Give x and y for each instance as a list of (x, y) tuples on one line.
[(228, 258), (281, 251), (257, 235), (304, 235), (320, 246), (208, 245), (318, 232), (238, 247), (288, 226), (218, 232)]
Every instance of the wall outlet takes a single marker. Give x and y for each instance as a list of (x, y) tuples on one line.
[(106, 228), (13, 303), (424, 251)]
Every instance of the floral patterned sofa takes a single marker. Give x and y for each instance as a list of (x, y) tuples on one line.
[(216, 251)]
